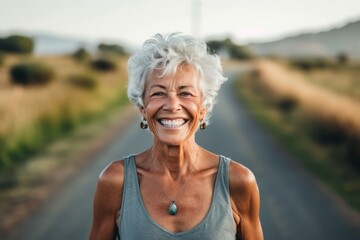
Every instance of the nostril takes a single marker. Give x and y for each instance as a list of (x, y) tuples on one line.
[(172, 104)]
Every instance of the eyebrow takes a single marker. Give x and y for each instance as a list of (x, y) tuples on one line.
[(186, 86), (163, 87), (157, 85)]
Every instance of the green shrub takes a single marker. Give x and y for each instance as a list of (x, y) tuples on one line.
[(83, 81), (286, 103), (81, 55), (31, 74), (343, 58), (308, 64), (2, 59), (353, 151), (332, 134), (33, 139), (325, 131), (238, 52), (103, 64), (17, 44), (324, 63), (112, 49), (214, 46), (235, 51), (302, 64)]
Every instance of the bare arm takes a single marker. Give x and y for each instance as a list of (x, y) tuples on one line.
[(245, 203), (107, 202)]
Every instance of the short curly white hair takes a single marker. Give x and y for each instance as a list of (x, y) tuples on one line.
[(166, 53)]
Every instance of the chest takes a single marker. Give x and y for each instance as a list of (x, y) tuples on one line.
[(193, 200)]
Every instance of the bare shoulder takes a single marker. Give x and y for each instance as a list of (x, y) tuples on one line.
[(243, 186), (110, 185), (241, 177), (245, 202), (113, 173)]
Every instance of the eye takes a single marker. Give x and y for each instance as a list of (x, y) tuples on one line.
[(158, 94), (185, 94)]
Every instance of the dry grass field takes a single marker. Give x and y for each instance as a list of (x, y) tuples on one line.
[(325, 95), (315, 114), (342, 82), (31, 115), (47, 129)]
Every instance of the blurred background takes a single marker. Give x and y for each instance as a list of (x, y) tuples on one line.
[(294, 70)]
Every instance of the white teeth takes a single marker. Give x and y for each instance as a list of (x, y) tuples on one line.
[(172, 123)]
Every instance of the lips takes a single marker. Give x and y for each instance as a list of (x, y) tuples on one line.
[(172, 123)]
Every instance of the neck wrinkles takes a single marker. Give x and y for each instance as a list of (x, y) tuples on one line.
[(177, 161)]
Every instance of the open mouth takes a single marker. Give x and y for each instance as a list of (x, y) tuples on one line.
[(172, 123)]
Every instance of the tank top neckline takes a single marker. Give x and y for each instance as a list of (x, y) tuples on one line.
[(176, 234)]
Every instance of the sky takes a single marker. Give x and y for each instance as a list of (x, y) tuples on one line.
[(133, 21)]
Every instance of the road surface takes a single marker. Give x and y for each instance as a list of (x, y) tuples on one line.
[(294, 205)]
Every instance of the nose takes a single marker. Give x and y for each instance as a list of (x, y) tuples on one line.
[(172, 103)]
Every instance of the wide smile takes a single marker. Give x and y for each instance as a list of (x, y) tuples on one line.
[(172, 123)]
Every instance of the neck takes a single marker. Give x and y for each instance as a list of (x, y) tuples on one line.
[(176, 161)]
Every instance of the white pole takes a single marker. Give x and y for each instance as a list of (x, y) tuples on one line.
[(196, 18)]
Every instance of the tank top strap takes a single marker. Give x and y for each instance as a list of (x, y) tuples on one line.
[(129, 165), (222, 189), (223, 178), (130, 180)]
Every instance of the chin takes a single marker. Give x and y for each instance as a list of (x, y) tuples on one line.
[(172, 142)]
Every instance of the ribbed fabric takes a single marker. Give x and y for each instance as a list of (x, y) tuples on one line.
[(135, 223)]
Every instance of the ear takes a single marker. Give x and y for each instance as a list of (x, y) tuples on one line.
[(203, 112), (142, 112)]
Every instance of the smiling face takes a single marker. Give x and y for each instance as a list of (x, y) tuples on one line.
[(173, 105)]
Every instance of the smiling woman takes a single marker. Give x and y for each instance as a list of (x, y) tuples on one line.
[(164, 98), (165, 56), (175, 189)]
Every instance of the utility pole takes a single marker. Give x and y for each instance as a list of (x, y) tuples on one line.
[(196, 18)]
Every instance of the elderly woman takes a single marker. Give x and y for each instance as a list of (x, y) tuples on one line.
[(175, 189)]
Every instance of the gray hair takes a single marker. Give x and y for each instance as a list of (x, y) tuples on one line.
[(167, 52)]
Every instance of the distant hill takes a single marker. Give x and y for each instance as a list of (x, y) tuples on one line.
[(326, 43), (49, 44), (53, 44)]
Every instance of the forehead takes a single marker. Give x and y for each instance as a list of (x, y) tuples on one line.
[(185, 74)]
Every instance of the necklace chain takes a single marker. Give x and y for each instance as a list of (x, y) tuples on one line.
[(173, 198)]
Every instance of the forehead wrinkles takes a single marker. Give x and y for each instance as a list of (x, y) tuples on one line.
[(185, 75)]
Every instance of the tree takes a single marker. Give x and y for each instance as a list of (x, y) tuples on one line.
[(235, 51), (17, 44), (112, 49), (343, 58)]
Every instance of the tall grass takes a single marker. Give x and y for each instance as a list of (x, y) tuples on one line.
[(343, 81), (319, 125), (32, 116), (317, 101)]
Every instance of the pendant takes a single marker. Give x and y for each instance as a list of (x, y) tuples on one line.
[(172, 208)]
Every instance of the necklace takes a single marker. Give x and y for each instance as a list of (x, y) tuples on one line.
[(173, 209)]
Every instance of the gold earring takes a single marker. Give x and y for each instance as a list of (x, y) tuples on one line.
[(143, 124), (202, 124)]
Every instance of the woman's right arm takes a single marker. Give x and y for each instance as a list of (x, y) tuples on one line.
[(107, 202)]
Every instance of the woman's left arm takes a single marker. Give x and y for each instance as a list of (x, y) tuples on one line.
[(245, 200)]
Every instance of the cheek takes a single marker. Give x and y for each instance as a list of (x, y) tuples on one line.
[(152, 105), (193, 106)]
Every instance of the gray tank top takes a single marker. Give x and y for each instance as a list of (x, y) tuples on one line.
[(135, 223)]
